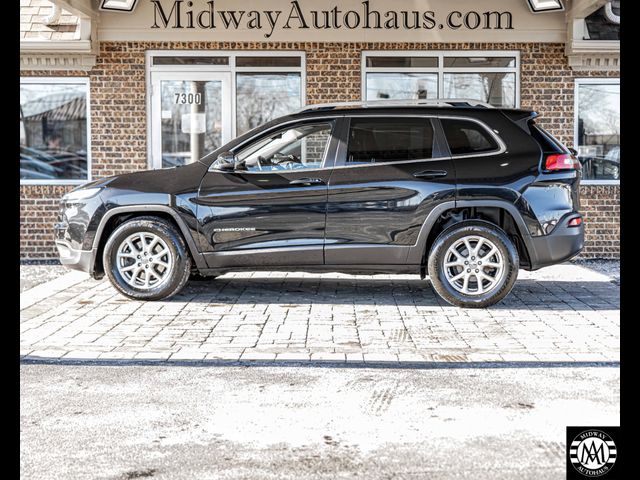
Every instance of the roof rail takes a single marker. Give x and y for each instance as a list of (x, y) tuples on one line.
[(435, 102)]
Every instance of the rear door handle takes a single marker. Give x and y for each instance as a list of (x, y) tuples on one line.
[(430, 174), (307, 181)]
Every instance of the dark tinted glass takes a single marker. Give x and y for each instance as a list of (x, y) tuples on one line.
[(191, 60), (389, 140), (402, 62), (466, 137), (479, 62), (267, 61)]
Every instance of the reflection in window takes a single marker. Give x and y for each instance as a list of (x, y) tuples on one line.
[(495, 88), (598, 128), (396, 62), (296, 148), (405, 86), (190, 60), (477, 62), (268, 61), (261, 97), (53, 131)]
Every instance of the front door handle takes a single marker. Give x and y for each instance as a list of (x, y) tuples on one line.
[(430, 174), (307, 181)]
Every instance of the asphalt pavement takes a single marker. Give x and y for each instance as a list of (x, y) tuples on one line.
[(313, 421)]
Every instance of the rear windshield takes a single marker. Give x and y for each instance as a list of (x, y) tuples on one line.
[(548, 143)]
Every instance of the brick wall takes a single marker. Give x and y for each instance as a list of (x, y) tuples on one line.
[(600, 205), (119, 117)]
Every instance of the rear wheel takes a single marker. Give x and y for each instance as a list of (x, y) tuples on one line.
[(473, 264), (147, 259)]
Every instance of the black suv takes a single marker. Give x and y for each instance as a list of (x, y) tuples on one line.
[(455, 190)]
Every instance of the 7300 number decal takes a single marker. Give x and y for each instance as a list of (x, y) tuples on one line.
[(188, 98)]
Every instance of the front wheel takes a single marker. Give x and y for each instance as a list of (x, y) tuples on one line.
[(146, 258), (473, 264)]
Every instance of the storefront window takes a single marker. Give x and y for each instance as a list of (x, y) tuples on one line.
[(261, 97), (491, 77), (53, 130), (495, 88), (597, 126), (404, 86), (201, 100)]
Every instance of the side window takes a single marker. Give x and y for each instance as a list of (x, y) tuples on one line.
[(467, 138), (294, 148), (374, 140)]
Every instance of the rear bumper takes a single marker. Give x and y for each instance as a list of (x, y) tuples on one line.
[(562, 244)]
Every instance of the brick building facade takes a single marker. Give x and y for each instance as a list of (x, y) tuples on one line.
[(119, 120)]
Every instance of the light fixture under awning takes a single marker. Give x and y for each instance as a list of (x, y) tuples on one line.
[(118, 5), (543, 6)]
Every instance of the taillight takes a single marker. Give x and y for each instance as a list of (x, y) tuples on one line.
[(575, 222), (561, 161)]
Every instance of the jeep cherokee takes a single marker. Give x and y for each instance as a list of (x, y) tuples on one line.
[(455, 190)]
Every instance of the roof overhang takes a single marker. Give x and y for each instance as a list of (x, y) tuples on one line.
[(584, 54), (79, 54)]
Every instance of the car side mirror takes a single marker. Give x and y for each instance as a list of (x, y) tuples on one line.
[(226, 162)]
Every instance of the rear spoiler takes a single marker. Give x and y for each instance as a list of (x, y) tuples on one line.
[(521, 117)]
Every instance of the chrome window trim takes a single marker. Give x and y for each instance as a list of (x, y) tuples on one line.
[(502, 149)]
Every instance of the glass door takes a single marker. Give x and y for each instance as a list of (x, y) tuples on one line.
[(190, 115)]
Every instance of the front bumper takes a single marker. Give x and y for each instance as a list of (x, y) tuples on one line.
[(562, 244), (71, 257), (82, 260), (74, 233)]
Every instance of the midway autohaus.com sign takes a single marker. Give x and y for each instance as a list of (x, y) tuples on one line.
[(319, 16)]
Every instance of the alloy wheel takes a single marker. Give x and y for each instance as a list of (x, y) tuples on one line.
[(144, 260), (473, 265)]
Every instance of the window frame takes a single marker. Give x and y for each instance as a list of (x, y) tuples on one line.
[(440, 70), (590, 81), (231, 68), (73, 81)]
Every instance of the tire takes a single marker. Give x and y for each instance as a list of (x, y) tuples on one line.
[(480, 291), (170, 268)]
